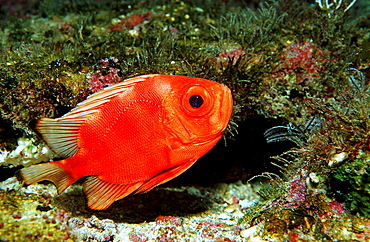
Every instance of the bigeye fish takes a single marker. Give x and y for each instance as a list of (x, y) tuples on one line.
[(134, 135)]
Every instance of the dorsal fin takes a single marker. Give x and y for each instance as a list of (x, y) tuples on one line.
[(61, 134)]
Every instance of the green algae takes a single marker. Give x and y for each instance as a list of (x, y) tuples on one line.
[(47, 58), (18, 223), (351, 183), (179, 38)]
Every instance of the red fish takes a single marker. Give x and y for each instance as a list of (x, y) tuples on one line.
[(133, 136)]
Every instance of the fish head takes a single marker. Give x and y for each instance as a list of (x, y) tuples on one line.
[(197, 111)]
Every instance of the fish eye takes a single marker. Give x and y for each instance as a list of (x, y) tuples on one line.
[(196, 101)]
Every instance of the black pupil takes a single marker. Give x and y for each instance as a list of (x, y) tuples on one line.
[(196, 101)]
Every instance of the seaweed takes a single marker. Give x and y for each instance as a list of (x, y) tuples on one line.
[(299, 67)]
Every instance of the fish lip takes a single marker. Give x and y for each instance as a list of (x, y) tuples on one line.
[(216, 138), (226, 107)]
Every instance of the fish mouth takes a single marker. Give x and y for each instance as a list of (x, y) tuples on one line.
[(228, 104), (225, 110)]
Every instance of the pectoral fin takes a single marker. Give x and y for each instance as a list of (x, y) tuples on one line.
[(164, 177)]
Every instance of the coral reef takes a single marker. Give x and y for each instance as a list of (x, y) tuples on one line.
[(26, 153), (298, 71)]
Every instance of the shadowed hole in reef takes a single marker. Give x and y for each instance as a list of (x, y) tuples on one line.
[(6, 172), (246, 155), (137, 208)]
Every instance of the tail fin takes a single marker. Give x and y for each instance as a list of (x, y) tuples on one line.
[(47, 171)]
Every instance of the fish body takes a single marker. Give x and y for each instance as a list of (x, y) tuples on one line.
[(133, 136)]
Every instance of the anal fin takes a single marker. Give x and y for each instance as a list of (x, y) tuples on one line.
[(47, 171), (101, 194)]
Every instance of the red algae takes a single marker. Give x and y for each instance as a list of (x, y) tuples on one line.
[(170, 219), (231, 56), (105, 74), (297, 192), (131, 21), (338, 208), (305, 59)]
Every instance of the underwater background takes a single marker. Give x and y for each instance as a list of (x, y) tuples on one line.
[(293, 164)]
